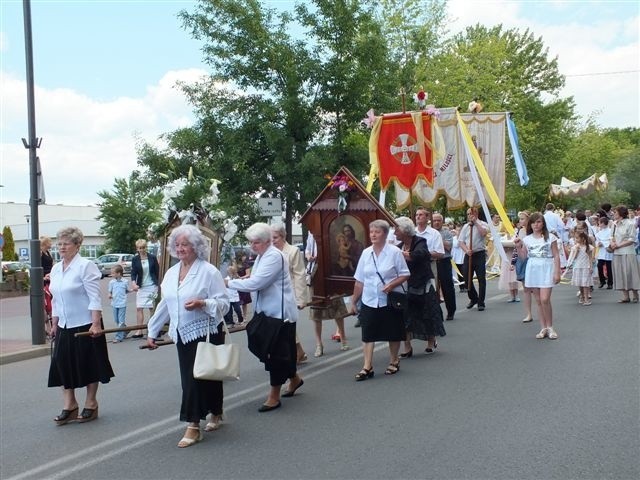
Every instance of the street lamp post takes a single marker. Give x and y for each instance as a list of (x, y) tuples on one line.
[(35, 272)]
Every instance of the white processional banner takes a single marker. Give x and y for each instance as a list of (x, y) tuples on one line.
[(451, 168)]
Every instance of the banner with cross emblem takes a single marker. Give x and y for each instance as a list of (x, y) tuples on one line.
[(402, 145)]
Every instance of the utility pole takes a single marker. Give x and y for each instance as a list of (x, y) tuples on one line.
[(35, 272)]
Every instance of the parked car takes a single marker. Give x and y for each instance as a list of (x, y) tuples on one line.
[(105, 262), (13, 267)]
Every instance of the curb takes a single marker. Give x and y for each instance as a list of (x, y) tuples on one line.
[(27, 354)]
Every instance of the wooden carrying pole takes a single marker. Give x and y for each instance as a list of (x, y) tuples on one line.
[(158, 344), (470, 272), (114, 330)]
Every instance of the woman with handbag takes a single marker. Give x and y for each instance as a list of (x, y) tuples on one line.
[(275, 299), (194, 302), (381, 270), (423, 318)]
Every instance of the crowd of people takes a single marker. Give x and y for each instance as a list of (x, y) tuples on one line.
[(401, 283)]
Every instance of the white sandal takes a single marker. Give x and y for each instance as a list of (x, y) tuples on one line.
[(214, 424), (186, 441)]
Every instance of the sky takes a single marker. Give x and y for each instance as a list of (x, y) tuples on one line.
[(105, 74)]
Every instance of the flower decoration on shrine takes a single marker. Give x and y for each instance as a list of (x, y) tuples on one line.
[(194, 201), (343, 184)]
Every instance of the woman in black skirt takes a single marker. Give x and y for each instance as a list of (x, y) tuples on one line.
[(77, 307), (194, 302), (380, 270), (423, 317)]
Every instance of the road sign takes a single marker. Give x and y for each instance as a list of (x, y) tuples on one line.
[(1, 240), (24, 253), (270, 207)]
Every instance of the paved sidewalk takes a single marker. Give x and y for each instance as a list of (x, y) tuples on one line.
[(15, 325)]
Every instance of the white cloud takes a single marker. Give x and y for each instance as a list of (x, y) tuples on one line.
[(582, 48), (86, 143)]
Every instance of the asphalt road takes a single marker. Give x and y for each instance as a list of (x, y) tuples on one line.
[(492, 403)]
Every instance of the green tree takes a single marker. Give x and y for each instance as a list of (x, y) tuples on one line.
[(9, 247), (415, 31), (127, 212), (283, 104), (510, 70)]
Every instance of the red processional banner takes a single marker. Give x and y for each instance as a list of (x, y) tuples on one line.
[(404, 149)]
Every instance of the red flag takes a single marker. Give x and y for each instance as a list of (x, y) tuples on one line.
[(404, 151)]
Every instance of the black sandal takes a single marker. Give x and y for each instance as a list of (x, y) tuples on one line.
[(88, 414), (66, 416), (392, 369), (364, 374)]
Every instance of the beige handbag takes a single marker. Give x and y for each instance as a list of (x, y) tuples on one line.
[(217, 362)]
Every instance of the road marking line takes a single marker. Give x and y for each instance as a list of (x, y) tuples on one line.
[(332, 363)]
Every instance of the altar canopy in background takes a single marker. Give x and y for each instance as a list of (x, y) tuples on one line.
[(567, 188), (452, 176)]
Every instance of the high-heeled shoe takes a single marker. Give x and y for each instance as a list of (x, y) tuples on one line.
[(66, 416), (214, 424), (188, 441), (319, 351), (364, 374), (88, 415), (408, 354), (429, 350)]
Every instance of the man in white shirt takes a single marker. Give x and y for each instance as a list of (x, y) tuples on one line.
[(556, 226), (431, 235), (472, 240)]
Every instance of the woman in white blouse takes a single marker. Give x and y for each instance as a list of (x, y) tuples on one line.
[(381, 269), (626, 272), (275, 298), (77, 307), (194, 302)]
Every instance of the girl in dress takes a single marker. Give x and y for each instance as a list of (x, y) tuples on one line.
[(543, 269), (581, 259)]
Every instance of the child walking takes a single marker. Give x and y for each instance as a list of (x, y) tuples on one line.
[(581, 257), (234, 299), (118, 289)]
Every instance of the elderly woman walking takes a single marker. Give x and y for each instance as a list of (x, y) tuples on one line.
[(297, 274), (381, 269), (274, 297), (626, 272), (81, 361), (424, 317), (194, 302)]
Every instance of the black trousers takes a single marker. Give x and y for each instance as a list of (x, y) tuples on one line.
[(445, 277), (282, 365), (235, 307), (199, 397), (608, 278), (479, 267)]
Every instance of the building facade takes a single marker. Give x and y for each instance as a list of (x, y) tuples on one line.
[(52, 218)]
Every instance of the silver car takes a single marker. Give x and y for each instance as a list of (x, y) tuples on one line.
[(105, 262)]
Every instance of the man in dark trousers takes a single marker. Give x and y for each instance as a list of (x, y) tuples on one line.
[(445, 270), (472, 240)]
